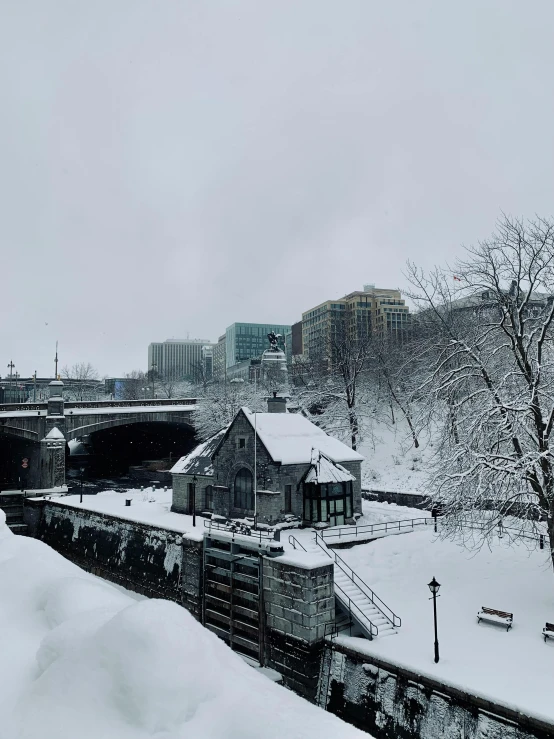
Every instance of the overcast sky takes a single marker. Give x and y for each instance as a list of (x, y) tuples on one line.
[(169, 167)]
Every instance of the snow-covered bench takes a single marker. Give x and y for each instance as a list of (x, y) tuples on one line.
[(548, 631), (502, 618)]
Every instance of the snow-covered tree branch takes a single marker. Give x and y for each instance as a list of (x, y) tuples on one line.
[(485, 330)]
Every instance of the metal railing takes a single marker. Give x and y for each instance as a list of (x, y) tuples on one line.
[(234, 527), (294, 542), (371, 529), (359, 615), (7, 407), (363, 586)]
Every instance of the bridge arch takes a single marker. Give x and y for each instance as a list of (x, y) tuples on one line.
[(90, 427), (15, 432)]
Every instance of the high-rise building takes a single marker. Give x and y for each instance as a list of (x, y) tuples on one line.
[(207, 361), (249, 340), (219, 362), (371, 311), (177, 360), (293, 342)]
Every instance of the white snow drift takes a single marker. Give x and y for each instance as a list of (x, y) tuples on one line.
[(83, 660)]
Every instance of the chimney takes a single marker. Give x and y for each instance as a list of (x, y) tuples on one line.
[(276, 405)]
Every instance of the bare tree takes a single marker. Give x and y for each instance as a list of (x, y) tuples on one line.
[(133, 385), (490, 374), (332, 388), (220, 402), (395, 374), (81, 381), (169, 387)]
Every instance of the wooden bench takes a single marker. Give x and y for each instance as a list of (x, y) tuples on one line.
[(548, 631), (502, 618)]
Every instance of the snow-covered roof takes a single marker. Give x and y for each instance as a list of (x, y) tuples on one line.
[(199, 461), (289, 438), (55, 433), (324, 470)]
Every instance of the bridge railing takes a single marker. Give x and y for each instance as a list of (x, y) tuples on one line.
[(127, 403), (7, 407)]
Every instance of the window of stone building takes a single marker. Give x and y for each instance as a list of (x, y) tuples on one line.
[(242, 442), (244, 489), (330, 502), (288, 498), (209, 497)]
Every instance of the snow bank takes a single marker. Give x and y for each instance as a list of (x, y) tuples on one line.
[(82, 659)]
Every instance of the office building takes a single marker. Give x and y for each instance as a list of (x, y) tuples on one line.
[(368, 312), (249, 340), (218, 359), (177, 360), (207, 362)]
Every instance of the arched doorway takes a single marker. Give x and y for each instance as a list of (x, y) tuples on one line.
[(244, 489)]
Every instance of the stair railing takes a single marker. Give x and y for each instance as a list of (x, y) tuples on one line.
[(294, 541), (363, 586), (359, 615)]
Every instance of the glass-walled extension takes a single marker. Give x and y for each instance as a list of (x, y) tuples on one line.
[(327, 502)]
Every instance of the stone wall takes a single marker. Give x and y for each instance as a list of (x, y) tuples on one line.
[(410, 500), (390, 702), (299, 605), (180, 496), (147, 559)]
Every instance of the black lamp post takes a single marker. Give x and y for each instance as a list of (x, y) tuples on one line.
[(82, 471), (434, 588), (194, 481)]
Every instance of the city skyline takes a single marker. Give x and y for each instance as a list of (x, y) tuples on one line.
[(141, 199)]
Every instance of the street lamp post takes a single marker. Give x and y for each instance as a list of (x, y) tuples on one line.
[(434, 588), (82, 471), (194, 481)]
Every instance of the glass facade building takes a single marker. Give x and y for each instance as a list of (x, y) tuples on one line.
[(249, 340)]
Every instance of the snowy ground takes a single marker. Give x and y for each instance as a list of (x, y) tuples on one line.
[(514, 667), (82, 659), (391, 460), (146, 507), (154, 508)]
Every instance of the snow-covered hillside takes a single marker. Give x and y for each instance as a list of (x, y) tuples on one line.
[(81, 659), (391, 460)]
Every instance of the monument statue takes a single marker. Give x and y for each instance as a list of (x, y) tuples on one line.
[(273, 341)]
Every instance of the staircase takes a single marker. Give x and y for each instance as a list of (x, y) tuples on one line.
[(12, 505), (357, 606)]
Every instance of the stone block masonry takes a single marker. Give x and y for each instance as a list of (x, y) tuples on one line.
[(391, 702), (299, 606), (146, 559)]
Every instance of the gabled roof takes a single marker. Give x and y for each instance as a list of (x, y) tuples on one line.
[(199, 461), (324, 470), (289, 439)]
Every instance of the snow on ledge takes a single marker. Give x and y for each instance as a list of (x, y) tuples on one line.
[(303, 560)]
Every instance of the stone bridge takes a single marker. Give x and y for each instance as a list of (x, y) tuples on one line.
[(45, 428)]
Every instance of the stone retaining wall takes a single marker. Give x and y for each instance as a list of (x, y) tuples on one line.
[(391, 702), (146, 559)]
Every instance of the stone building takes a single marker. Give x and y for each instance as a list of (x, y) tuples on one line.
[(300, 471), (192, 478)]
